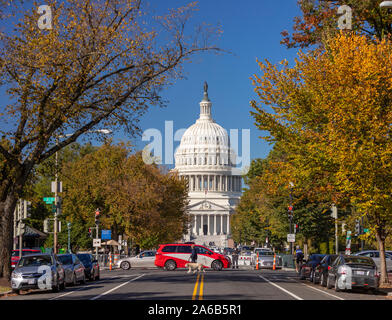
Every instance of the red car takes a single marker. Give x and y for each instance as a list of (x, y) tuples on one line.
[(15, 255), (172, 256)]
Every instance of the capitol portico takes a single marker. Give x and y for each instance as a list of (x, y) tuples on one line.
[(206, 160)]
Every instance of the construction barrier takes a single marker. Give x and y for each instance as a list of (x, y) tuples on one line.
[(116, 258), (110, 261)]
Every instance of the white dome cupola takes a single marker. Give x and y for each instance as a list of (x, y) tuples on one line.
[(205, 143)]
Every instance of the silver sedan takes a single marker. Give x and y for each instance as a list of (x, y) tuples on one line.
[(145, 259)]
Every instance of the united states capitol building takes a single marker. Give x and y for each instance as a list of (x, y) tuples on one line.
[(206, 160)]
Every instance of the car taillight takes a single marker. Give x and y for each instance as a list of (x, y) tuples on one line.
[(329, 267), (343, 270)]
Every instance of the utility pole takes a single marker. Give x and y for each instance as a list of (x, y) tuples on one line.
[(55, 231), (97, 213), (334, 214), (291, 214)]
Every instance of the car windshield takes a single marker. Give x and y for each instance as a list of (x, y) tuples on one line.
[(316, 257), (32, 261), (15, 253), (85, 258), (266, 253), (65, 259), (359, 260)]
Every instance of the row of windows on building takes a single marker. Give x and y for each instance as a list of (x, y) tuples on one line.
[(212, 160), (213, 182)]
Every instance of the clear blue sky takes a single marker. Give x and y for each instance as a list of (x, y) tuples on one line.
[(251, 29)]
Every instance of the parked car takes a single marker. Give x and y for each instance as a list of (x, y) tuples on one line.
[(74, 269), (375, 255), (15, 255), (320, 273), (349, 271), (307, 268), (266, 259), (172, 256), (91, 266), (31, 272), (144, 259)]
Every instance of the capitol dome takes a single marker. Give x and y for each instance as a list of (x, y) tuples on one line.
[(206, 161), (205, 143)]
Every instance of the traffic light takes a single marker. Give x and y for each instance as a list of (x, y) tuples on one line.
[(290, 211), (296, 228), (97, 213), (90, 233)]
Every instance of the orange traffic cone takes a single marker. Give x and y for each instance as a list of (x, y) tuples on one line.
[(257, 262), (274, 265)]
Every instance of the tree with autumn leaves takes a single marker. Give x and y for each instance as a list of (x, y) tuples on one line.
[(332, 114), (137, 200), (102, 64), (319, 21)]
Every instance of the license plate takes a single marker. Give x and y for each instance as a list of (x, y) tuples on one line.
[(361, 273), (31, 281)]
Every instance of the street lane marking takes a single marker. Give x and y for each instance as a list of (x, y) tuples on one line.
[(195, 287), (201, 287), (115, 288), (283, 289), (332, 295), (85, 286)]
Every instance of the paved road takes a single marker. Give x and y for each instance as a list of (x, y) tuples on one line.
[(157, 284)]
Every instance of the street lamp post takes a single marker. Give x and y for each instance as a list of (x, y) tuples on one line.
[(56, 191), (69, 236)]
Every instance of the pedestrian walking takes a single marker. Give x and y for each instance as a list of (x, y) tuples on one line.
[(235, 258), (299, 256), (193, 256)]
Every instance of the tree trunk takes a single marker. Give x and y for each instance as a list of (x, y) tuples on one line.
[(381, 248), (7, 208), (11, 187)]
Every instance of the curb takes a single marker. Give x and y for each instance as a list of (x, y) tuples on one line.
[(2, 294)]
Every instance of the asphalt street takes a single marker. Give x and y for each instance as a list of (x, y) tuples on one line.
[(158, 284)]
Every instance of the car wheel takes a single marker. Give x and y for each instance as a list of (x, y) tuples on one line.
[(336, 285), (17, 291), (83, 279), (74, 280), (314, 278), (322, 280), (329, 285), (217, 265), (62, 285), (56, 288), (170, 265), (125, 265)]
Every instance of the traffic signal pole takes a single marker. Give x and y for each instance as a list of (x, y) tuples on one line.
[(55, 231)]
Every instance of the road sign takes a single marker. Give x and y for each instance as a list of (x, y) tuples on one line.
[(348, 242), (106, 234), (96, 242), (291, 237), (49, 200)]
